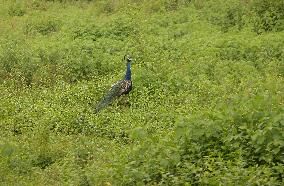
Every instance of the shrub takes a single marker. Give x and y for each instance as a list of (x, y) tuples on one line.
[(109, 6), (229, 15), (9, 59), (44, 26), (269, 16), (16, 9), (38, 5), (203, 148), (234, 18)]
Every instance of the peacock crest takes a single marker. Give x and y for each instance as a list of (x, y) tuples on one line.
[(119, 88)]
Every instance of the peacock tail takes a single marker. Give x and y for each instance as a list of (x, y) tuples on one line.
[(120, 87), (113, 93)]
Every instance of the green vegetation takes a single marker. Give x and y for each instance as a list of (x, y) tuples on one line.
[(206, 107)]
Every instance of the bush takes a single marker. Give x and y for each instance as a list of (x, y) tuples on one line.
[(234, 18), (203, 148), (242, 50), (269, 16), (42, 25), (230, 15), (16, 9)]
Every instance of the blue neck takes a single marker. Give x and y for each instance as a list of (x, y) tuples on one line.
[(128, 71)]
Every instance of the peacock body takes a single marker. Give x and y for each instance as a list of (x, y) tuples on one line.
[(121, 87)]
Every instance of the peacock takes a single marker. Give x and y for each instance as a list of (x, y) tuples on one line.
[(119, 88)]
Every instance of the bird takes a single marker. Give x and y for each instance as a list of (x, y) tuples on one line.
[(119, 88)]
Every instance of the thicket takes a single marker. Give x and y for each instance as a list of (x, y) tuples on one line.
[(206, 107)]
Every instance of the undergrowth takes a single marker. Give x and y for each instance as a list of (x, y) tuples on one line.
[(206, 106)]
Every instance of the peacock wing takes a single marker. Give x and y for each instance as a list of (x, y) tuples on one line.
[(113, 93)]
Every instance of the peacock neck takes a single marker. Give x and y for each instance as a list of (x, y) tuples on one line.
[(128, 71)]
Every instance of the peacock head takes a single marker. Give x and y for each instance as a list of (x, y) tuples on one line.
[(127, 58)]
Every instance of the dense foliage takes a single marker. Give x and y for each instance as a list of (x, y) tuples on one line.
[(206, 107)]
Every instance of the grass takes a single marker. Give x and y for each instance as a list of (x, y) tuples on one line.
[(206, 107)]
